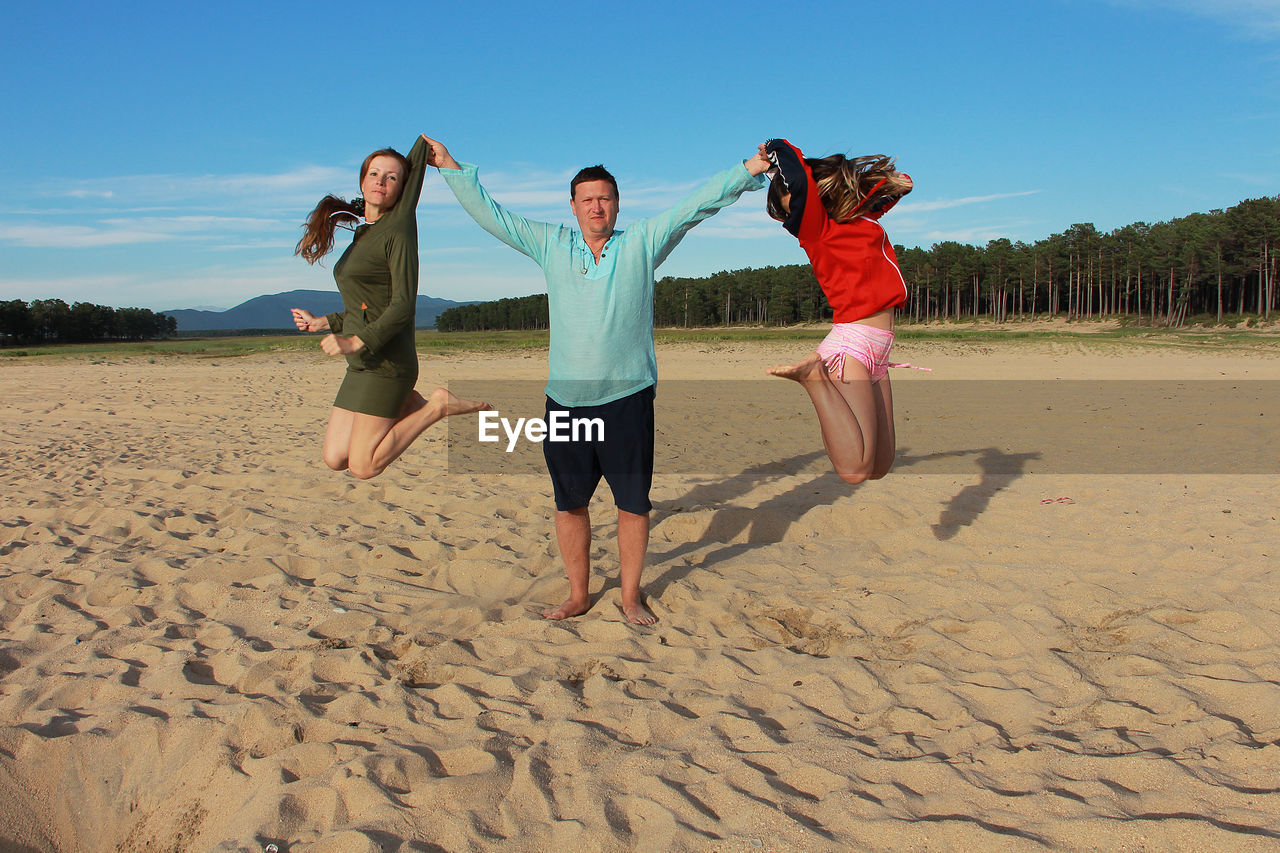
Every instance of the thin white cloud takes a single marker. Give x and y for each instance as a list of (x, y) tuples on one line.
[(76, 236), (209, 190), (746, 220), (454, 250), (944, 204), (82, 193), (88, 288), (304, 185), (977, 235), (274, 245), (28, 212), (538, 194), (1268, 181), (180, 224), (751, 231), (1257, 20), (299, 179), (127, 231)]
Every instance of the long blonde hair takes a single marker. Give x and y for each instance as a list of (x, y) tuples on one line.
[(847, 186)]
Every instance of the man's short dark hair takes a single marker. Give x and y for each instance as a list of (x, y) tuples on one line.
[(592, 173)]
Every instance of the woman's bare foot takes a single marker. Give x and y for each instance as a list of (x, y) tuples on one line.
[(445, 403), (570, 608), (812, 368), (638, 614)]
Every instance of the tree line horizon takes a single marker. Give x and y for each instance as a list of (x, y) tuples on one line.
[(1199, 268), (53, 321)]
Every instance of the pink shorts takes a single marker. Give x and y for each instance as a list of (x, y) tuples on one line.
[(869, 345)]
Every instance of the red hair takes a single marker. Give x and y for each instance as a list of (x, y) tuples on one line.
[(317, 235)]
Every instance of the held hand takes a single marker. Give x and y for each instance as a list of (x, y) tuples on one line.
[(334, 345), (439, 156), (759, 164)]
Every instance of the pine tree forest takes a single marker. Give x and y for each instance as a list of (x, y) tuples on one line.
[(1203, 268), (52, 321)]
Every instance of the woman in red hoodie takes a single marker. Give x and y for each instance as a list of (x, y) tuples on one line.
[(833, 206)]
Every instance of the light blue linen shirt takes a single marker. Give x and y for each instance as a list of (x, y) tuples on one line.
[(601, 313)]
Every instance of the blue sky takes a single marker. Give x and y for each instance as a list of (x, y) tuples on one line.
[(164, 155)]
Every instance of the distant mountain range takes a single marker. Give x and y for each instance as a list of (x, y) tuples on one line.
[(272, 311)]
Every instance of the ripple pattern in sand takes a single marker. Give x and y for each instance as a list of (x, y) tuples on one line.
[(210, 643)]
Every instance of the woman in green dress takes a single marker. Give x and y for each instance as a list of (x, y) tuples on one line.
[(377, 413)]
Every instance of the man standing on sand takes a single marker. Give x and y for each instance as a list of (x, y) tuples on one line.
[(602, 363)]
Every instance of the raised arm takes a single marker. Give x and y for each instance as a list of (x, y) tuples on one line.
[(524, 235), (665, 231), (419, 159)]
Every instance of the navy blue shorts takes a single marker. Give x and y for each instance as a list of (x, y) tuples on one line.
[(624, 457)]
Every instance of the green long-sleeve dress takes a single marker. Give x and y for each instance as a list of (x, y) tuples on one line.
[(378, 278)]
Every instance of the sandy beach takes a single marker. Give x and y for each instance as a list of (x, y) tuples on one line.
[(211, 642)]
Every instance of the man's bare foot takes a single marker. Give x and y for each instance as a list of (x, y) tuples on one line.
[(444, 403), (812, 368), (567, 610), (638, 614)]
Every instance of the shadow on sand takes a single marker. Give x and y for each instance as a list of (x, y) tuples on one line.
[(769, 522)]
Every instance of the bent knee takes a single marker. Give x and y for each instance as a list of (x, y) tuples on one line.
[(336, 463), (363, 472), (879, 473), (853, 478)]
